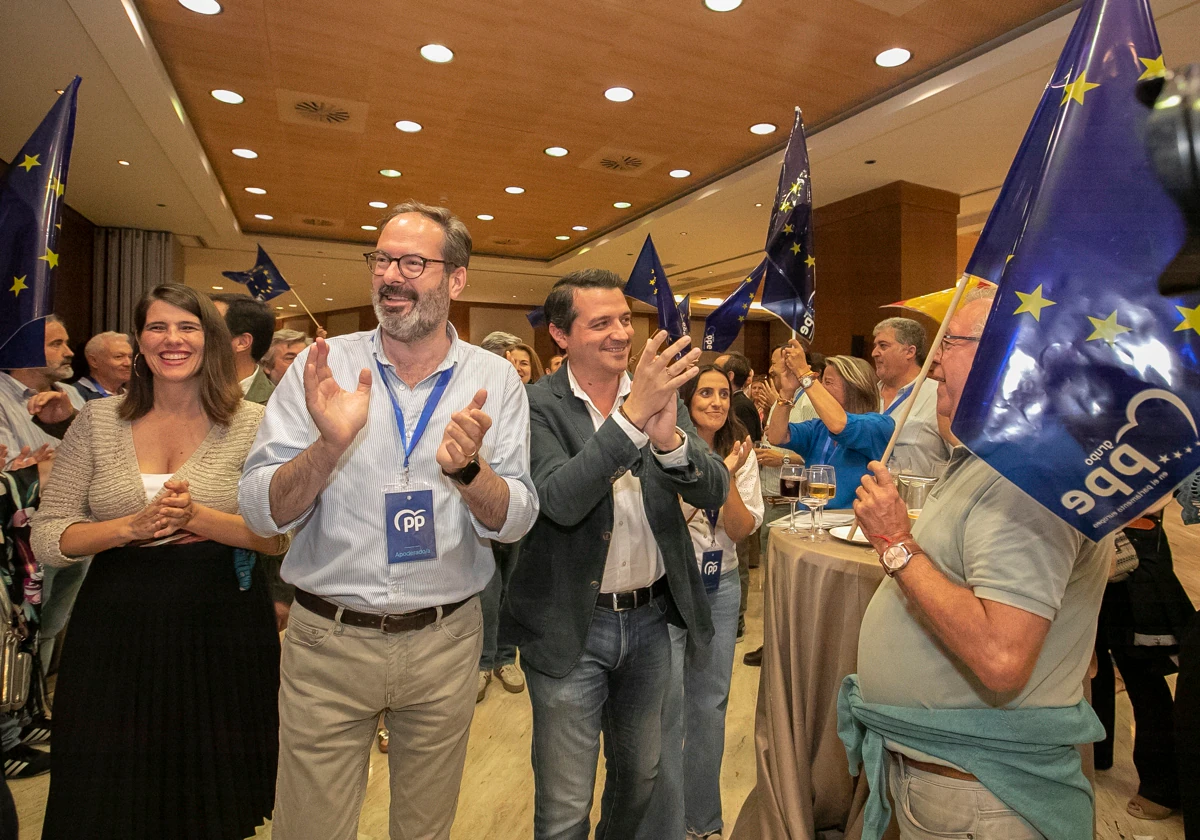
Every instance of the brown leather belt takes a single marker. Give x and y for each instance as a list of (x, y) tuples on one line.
[(633, 598), (939, 770), (397, 623)]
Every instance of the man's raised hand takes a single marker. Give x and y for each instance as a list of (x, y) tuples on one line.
[(338, 414), (464, 434)]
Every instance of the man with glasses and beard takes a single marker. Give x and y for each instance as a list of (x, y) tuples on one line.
[(396, 455)]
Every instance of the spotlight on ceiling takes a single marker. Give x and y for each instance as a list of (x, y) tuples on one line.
[(893, 57), (248, 154), (436, 53), (408, 126), (201, 7), (722, 5), (390, 173), (679, 173), (229, 97), (556, 151), (618, 94), (762, 128)]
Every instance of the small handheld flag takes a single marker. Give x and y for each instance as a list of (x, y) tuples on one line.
[(30, 223), (536, 317), (789, 289), (648, 283), (263, 280), (724, 323)]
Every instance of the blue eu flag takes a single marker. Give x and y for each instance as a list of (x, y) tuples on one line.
[(30, 223), (788, 290), (1085, 386), (726, 321), (263, 281), (536, 317), (648, 283)]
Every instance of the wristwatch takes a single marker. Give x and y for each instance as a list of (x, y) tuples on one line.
[(898, 555), (466, 475), (807, 380)]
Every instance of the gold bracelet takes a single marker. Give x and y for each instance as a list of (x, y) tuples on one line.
[(788, 403)]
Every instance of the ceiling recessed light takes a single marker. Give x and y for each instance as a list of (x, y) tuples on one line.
[(245, 153), (722, 5), (263, 216), (329, 299), (436, 53), (368, 227), (59, 91), (556, 151), (514, 190), (683, 233), (408, 126), (618, 94), (893, 57), (291, 306), (202, 7), (759, 204), (229, 97), (679, 173), (484, 217), (219, 288), (378, 205), (622, 205), (256, 190), (123, 162), (578, 227), (390, 173), (763, 128), (562, 238), (279, 307)]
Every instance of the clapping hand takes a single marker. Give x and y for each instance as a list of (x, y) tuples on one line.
[(651, 404), (464, 434), (737, 456), (53, 406), (175, 509), (765, 395), (338, 414)]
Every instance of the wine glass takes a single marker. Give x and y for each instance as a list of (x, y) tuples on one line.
[(822, 486), (791, 481)]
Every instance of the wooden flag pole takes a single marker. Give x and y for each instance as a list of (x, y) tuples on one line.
[(310, 315), (911, 400)]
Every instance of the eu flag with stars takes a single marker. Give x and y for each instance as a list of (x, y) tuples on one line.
[(1085, 387), (648, 283), (788, 290), (30, 224), (263, 281), (722, 326)]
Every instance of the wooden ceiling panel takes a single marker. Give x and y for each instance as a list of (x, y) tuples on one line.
[(528, 74)]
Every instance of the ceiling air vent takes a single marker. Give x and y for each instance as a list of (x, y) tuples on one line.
[(628, 162), (317, 110), (316, 221), (508, 242)]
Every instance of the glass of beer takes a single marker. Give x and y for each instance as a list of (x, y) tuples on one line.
[(791, 481), (821, 487)]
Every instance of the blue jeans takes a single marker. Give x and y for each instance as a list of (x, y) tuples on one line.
[(497, 651), (694, 722), (617, 688)]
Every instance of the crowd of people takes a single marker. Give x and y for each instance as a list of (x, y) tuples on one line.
[(420, 517)]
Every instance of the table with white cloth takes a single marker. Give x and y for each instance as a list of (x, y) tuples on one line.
[(814, 598)]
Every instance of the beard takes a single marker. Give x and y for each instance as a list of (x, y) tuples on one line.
[(428, 311)]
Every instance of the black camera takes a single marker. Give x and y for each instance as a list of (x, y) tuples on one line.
[(1172, 138)]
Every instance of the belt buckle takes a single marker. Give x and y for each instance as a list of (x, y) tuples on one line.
[(618, 606)]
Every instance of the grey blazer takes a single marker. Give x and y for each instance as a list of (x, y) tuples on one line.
[(552, 592)]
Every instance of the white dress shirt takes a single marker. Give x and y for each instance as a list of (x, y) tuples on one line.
[(705, 537), (17, 428), (634, 559), (920, 449), (339, 547)]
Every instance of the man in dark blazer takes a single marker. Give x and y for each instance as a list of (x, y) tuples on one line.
[(609, 561)]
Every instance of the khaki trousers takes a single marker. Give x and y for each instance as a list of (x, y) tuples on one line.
[(334, 682)]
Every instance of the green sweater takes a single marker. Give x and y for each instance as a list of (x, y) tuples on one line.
[(1023, 756)]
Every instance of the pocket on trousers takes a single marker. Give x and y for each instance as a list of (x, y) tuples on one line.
[(305, 635), (464, 622), (938, 810)]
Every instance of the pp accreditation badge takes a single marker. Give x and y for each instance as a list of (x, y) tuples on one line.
[(409, 527)]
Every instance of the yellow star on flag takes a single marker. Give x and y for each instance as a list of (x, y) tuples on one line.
[(1106, 328), (1154, 68), (30, 162), (796, 249), (811, 262), (741, 317), (51, 258), (55, 186), (1191, 319), (18, 285), (784, 207), (788, 229), (1033, 303), (1076, 89)]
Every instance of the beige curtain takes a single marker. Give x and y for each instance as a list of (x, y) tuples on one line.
[(127, 264)]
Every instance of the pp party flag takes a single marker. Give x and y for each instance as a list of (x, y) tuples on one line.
[(648, 283), (1085, 387), (789, 290), (31, 194), (724, 323), (263, 280), (935, 304)]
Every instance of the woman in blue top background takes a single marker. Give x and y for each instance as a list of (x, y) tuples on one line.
[(849, 432)]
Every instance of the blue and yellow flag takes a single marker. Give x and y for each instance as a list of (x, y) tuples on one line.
[(1085, 387), (648, 283), (788, 291), (263, 281), (30, 224), (724, 323)]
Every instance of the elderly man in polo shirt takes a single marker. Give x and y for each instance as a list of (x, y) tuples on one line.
[(396, 455), (974, 649), (898, 352)]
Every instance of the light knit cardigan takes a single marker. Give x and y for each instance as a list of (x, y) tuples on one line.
[(96, 476)]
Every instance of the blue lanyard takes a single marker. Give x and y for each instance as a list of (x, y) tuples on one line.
[(829, 441), (901, 396), (431, 403), (712, 515)]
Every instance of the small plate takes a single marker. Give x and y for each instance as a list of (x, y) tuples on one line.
[(842, 532)]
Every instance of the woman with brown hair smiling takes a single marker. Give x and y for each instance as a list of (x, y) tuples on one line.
[(165, 720)]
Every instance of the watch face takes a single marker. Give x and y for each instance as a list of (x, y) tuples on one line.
[(895, 557)]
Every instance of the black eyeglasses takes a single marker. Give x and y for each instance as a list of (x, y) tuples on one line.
[(948, 340), (412, 266)]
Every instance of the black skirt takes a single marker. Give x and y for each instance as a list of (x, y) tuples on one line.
[(166, 721)]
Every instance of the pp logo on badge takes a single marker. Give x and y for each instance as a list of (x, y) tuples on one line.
[(409, 521), (712, 567)]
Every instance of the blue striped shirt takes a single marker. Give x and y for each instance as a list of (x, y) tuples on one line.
[(339, 547)]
